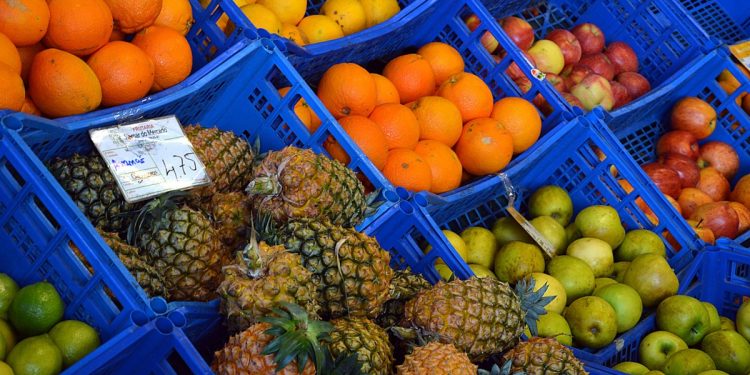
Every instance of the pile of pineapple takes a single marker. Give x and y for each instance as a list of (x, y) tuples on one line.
[(303, 292)]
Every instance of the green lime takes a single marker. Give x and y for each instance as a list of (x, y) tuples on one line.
[(36, 355), (6, 331), (75, 339), (8, 290), (36, 308), (5, 369)]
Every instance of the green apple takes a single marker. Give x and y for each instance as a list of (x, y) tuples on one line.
[(456, 241), (654, 372), (572, 232), (554, 288), (688, 362), (516, 260), (742, 321), (552, 231), (626, 302), (444, 271), (595, 252), (713, 317), (601, 282), (553, 325), (632, 368), (482, 271), (652, 277), (619, 269), (729, 351), (506, 229), (637, 242), (574, 274), (727, 324), (551, 201), (480, 244), (684, 316), (592, 321), (712, 372), (601, 222), (657, 346)]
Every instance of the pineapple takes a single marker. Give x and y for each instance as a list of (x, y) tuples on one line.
[(404, 286), (262, 277), (350, 269), (183, 245), (295, 183), (231, 216), (367, 340), (228, 160), (437, 359), (480, 316), (540, 356), (93, 188)]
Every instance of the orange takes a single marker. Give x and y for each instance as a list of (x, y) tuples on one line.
[(117, 35), (470, 94), (61, 84), (366, 134), (484, 147), (407, 169), (521, 119), (347, 89), (78, 26), (11, 86), (288, 11), (170, 53), (294, 34), (444, 60), (300, 109), (398, 123), (27, 57), (439, 119), (9, 54), (385, 90), (125, 72), (444, 164), (29, 107), (412, 76), (24, 21), (177, 15), (134, 15)]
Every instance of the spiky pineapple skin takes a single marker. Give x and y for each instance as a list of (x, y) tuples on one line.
[(480, 316), (242, 355), (93, 188), (404, 286), (231, 216), (312, 186), (365, 338), (185, 248), (350, 268), (148, 277), (282, 278), (437, 359), (544, 356)]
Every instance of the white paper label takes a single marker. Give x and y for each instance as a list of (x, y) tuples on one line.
[(150, 158)]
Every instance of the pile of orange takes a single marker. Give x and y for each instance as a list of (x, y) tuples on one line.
[(425, 123), (68, 57)]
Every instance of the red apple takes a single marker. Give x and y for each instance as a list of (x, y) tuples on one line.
[(594, 91), (572, 100), (704, 233), (568, 43), (713, 183), (620, 94), (743, 214), (674, 204), (623, 57), (574, 74), (513, 71), (721, 156), (719, 217), (557, 82), (590, 37), (684, 166), (636, 84), (488, 41), (524, 84), (693, 115), (690, 199), (600, 64), (741, 192), (665, 178), (678, 142), (519, 31)]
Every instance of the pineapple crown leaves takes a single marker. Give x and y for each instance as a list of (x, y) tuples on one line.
[(532, 302), (152, 213), (501, 370), (250, 256), (343, 364), (269, 185), (296, 337), (373, 204)]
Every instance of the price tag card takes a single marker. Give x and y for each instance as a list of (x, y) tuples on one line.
[(150, 158), (741, 51)]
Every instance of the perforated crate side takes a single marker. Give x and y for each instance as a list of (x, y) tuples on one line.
[(727, 20)]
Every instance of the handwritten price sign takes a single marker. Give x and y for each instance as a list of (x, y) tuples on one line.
[(150, 158)]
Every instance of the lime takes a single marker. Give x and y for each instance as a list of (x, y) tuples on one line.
[(9, 336), (75, 339), (5, 369), (8, 290), (36, 308), (36, 355)]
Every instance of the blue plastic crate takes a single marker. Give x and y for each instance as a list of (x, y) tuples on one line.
[(728, 20), (639, 126)]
